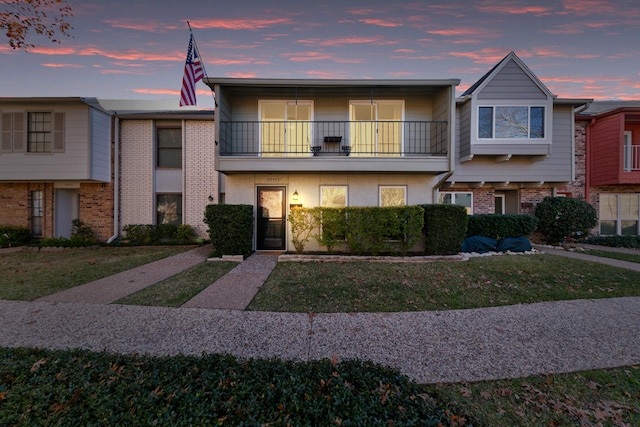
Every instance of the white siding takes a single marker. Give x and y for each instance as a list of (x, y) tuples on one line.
[(511, 83), (100, 146)]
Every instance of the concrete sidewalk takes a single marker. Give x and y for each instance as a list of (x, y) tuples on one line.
[(430, 347), (442, 346)]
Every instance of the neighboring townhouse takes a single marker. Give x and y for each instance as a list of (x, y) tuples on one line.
[(55, 165), (608, 141), (284, 143), (165, 173), (514, 142)]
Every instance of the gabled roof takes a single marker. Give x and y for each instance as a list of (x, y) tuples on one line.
[(484, 80)]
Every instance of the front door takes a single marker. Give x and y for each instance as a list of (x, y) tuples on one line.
[(272, 219)]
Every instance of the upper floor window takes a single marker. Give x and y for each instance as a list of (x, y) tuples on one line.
[(169, 145), (511, 122), (39, 133)]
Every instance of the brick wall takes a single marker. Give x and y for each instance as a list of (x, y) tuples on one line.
[(96, 208), (200, 178), (136, 172), (530, 197), (14, 204)]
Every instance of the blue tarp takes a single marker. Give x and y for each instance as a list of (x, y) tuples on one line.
[(481, 244)]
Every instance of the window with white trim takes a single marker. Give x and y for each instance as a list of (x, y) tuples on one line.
[(511, 122), (462, 198), (169, 144), (333, 196), (619, 214), (393, 195)]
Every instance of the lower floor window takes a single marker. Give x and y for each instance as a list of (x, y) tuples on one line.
[(169, 209), (36, 213), (457, 198), (619, 214), (393, 196)]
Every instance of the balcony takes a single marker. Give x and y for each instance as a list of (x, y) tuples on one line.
[(631, 158), (333, 146)]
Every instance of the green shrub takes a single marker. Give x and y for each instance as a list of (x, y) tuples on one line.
[(230, 229), (499, 226), (615, 241), (371, 230), (302, 224), (160, 234), (11, 235), (333, 228), (445, 227), (565, 217)]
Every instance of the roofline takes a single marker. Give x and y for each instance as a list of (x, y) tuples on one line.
[(226, 81), (90, 101), (609, 113), (572, 101), (171, 115)]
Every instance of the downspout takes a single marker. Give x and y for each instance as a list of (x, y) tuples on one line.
[(116, 180)]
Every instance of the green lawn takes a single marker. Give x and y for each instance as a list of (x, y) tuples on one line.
[(26, 275), (615, 255), (178, 289), (327, 287)]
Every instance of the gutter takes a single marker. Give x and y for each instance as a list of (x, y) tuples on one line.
[(116, 180)]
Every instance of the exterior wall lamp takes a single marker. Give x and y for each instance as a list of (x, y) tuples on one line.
[(295, 196)]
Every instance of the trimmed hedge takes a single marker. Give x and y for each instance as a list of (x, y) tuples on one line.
[(615, 241), (499, 226), (230, 229), (365, 230), (160, 234), (371, 230), (445, 227), (11, 235)]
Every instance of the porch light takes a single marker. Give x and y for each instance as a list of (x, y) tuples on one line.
[(295, 196), (210, 198)]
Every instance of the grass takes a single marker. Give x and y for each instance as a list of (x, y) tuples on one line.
[(30, 275), (605, 397), (615, 255), (480, 282), (178, 289)]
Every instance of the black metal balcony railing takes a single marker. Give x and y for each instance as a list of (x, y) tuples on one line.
[(333, 138)]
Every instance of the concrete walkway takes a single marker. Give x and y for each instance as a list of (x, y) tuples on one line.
[(442, 346)]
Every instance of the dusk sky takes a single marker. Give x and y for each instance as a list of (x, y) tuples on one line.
[(136, 49)]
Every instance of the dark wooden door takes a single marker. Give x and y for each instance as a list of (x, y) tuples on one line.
[(272, 218)]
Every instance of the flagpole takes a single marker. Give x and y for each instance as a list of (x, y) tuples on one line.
[(204, 69)]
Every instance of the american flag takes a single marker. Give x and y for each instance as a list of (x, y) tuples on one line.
[(193, 73)]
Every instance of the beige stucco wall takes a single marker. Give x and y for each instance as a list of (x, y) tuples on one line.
[(363, 189)]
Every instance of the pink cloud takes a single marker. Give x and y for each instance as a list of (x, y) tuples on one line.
[(483, 56), (241, 75), (590, 7), (239, 24), (157, 91), (380, 22), (342, 41), (149, 26), (53, 65), (317, 56), (125, 72), (460, 32), (514, 9)]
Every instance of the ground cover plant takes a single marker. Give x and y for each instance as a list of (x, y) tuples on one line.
[(605, 397), (327, 287), (27, 275), (178, 289), (40, 387)]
